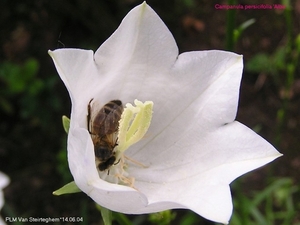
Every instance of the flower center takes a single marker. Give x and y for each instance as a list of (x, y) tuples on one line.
[(133, 125)]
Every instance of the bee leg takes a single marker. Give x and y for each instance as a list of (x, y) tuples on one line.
[(89, 116), (117, 162), (116, 142)]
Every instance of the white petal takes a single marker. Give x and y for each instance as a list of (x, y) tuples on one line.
[(142, 39), (135, 60), (78, 71), (198, 176), (4, 181), (199, 94)]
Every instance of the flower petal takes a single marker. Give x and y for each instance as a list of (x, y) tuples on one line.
[(142, 39), (4, 181), (198, 177), (78, 71), (203, 89)]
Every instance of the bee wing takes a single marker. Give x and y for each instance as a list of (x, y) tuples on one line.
[(113, 111), (93, 110), (104, 120)]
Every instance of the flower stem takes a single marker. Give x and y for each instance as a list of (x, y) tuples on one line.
[(230, 20), (106, 215), (121, 219)]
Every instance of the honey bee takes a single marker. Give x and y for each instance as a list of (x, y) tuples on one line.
[(103, 128)]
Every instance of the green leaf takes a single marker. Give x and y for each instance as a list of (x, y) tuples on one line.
[(259, 63), (66, 123), (238, 32), (297, 43), (69, 188)]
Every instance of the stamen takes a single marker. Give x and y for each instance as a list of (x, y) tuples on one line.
[(123, 175), (134, 124), (135, 162)]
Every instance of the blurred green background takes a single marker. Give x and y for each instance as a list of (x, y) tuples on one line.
[(33, 99)]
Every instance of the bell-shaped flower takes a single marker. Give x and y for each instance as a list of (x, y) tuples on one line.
[(193, 148), (4, 180)]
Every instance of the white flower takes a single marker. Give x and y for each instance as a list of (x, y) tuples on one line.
[(193, 149), (4, 180)]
